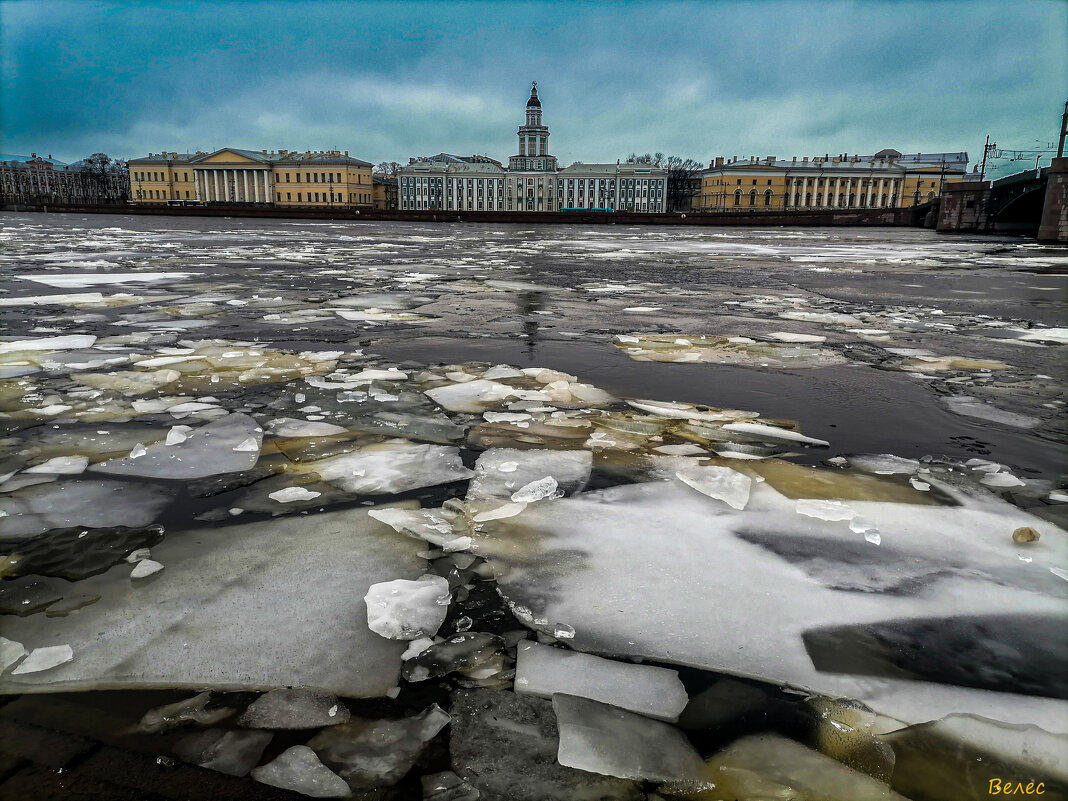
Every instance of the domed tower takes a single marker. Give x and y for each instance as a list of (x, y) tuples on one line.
[(533, 140)]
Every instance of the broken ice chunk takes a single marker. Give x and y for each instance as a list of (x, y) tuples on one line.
[(291, 494), (651, 691), (90, 504), (499, 512), (391, 467), (61, 465), (720, 483), (405, 610), (447, 786), (10, 653), (505, 745), (145, 568), (536, 490), (476, 655), (45, 659), (604, 739), (824, 510), (189, 710), (1001, 480), (774, 433), (231, 752), (959, 757), (299, 769), (294, 709), (208, 451), (471, 396), (70, 342), (178, 434), (771, 766), (500, 472), (425, 524), (289, 427), (377, 753)]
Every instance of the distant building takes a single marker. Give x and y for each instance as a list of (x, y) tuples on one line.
[(532, 181), (384, 191), (312, 179), (39, 180), (888, 179)]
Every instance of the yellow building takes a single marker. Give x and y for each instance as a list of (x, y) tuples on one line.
[(313, 179), (888, 179)]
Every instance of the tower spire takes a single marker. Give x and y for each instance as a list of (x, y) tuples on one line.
[(533, 152)]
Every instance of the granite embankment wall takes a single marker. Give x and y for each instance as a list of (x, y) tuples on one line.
[(826, 217)]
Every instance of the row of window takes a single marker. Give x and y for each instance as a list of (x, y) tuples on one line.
[(809, 200), (309, 177), (313, 197)]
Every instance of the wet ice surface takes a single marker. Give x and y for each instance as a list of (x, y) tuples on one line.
[(337, 462)]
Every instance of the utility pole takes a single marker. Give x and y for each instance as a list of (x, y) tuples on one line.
[(986, 148), (1064, 130)]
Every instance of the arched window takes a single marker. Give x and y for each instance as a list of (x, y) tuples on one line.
[(752, 197), (819, 199), (737, 197), (767, 197), (852, 199)]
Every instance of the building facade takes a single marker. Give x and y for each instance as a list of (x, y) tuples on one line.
[(37, 180), (532, 181), (887, 179), (313, 179), (384, 192)]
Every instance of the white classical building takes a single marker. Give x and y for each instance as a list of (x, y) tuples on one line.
[(532, 181)]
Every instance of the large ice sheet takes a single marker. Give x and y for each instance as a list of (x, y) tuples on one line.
[(262, 605), (737, 592), (228, 445)]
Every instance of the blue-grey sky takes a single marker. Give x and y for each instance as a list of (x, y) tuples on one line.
[(395, 79)]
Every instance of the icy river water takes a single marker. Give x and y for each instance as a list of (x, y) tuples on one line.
[(403, 510)]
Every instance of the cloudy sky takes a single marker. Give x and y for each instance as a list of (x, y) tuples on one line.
[(391, 80)]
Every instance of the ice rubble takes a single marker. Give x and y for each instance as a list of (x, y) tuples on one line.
[(788, 350), (242, 596), (792, 575), (654, 692)]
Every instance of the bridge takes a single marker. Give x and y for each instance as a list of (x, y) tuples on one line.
[(1032, 203)]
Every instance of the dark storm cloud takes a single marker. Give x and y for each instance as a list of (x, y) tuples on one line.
[(391, 80)]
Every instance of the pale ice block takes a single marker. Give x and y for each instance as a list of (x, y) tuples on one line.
[(654, 692)]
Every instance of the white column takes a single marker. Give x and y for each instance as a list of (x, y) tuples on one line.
[(244, 186), (879, 195), (837, 190)]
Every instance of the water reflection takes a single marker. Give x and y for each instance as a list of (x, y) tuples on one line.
[(530, 302)]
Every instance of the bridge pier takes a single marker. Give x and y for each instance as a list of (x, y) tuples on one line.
[(964, 207), (1053, 229)]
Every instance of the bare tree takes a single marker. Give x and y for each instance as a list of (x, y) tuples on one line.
[(390, 168), (683, 182), (683, 177)]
